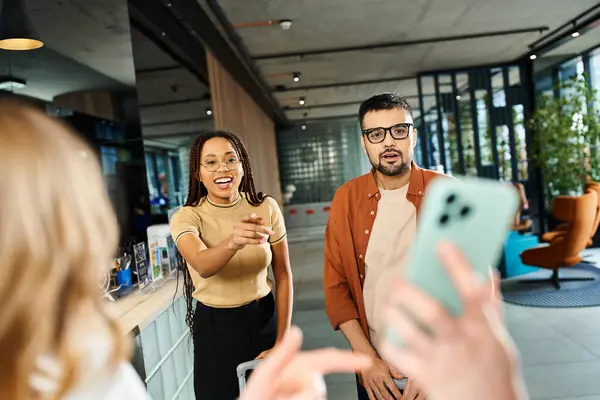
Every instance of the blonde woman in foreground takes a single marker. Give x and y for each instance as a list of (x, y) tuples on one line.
[(58, 234)]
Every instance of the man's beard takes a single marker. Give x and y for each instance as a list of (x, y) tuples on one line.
[(391, 170)]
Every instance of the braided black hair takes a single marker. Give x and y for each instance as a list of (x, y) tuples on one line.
[(197, 190)]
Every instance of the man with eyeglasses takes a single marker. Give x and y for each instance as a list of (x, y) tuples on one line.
[(371, 225)]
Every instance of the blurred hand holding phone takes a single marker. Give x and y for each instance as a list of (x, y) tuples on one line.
[(473, 214), (443, 324)]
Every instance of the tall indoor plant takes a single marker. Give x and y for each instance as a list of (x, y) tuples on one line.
[(566, 143)]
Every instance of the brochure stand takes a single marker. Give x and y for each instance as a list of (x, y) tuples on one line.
[(141, 266)]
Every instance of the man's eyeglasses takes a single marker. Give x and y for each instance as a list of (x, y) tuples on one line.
[(213, 165), (398, 132)]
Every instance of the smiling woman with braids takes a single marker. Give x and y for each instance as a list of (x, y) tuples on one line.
[(229, 234)]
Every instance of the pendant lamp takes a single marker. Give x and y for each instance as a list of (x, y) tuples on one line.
[(16, 30)]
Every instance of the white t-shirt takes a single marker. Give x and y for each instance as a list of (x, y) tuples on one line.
[(96, 379), (122, 384), (392, 235)]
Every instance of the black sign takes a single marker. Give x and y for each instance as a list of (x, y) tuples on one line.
[(141, 264)]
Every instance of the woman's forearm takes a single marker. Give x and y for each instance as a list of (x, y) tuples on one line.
[(209, 262), (283, 303)]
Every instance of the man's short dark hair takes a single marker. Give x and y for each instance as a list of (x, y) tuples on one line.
[(384, 101)]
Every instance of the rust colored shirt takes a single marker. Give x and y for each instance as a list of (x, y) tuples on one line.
[(351, 219)]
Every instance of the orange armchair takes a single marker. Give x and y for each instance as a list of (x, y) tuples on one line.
[(595, 186), (564, 250), (560, 230)]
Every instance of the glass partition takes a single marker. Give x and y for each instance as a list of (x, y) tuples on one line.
[(85, 75), (474, 122), (175, 109)]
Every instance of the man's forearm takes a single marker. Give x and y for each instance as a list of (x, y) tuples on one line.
[(357, 338)]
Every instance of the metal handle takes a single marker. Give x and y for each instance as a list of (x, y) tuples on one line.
[(242, 369), (401, 383)]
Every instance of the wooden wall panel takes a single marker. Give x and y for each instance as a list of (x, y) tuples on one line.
[(97, 103), (233, 109)]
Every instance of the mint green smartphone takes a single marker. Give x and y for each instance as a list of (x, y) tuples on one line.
[(474, 214)]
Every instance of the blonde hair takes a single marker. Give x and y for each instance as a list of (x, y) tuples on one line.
[(58, 233)]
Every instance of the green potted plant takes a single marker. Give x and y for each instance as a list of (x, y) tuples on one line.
[(566, 143)]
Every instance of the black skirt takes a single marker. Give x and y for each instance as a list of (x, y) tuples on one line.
[(225, 338)]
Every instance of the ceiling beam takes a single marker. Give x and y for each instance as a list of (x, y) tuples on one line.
[(195, 132), (198, 21), (563, 34), (159, 144), (316, 119), (330, 105), (570, 24), (175, 122), (175, 102), (158, 69), (326, 105), (342, 84), (439, 39), (153, 20)]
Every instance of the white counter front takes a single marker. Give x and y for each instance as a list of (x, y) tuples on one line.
[(163, 350)]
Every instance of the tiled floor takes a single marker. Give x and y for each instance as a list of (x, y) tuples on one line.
[(560, 348)]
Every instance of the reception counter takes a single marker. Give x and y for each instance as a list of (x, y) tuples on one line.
[(163, 352)]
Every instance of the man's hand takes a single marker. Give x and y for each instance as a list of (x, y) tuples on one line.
[(378, 381), (264, 354), (413, 392)]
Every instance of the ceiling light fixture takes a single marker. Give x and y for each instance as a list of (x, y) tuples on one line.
[(575, 34), (302, 101), (10, 83), (285, 24), (296, 76), (458, 97), (208, 111), (16, 30), (303, 127), (532, 57)]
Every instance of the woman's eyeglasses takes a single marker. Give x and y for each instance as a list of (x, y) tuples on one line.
[(213, 165)]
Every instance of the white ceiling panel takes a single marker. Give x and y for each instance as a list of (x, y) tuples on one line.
[(333, 24)]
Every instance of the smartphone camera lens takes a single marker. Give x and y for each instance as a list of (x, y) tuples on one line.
[(451, 199), (466, 210), (444, 219)]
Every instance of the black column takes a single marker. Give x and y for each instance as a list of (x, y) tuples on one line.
[(422, 128), (458, 125), (440, 126), (536, 179), (514, 156)]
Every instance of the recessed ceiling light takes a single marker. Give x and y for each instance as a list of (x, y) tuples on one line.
[(285, 24), (303, 127), (208, 111), (532, 57), (575, 34), (302, 101), (458, 97), (10, 83)]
